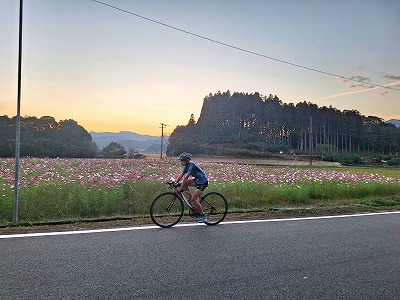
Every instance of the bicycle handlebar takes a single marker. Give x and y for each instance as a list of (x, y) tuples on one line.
[(173, 185)]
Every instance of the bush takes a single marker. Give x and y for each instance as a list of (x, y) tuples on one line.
[(394, 162), (277, 148), (345, 158)]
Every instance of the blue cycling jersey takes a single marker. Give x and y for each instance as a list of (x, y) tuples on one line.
[(194, 170)]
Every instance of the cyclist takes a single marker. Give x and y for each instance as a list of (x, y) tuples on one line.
[(199, 180)]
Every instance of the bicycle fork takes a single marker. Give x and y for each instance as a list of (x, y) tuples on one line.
[(171, 203)]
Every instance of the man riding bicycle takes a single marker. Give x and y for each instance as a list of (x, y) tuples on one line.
[(199, 180)]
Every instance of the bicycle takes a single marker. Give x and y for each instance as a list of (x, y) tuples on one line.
[(167, 208)]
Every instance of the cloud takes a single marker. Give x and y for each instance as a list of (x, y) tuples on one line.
[(359, 84), (356, 82), (360, 78), (383, 94), (369, 88), (341, 80), (391, 77)]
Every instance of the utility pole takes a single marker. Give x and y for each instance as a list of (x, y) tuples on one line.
[(162, 137), (323, 146), (311, 140), (18, 127)]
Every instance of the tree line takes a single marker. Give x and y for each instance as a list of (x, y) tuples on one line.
[(45, 137), (243, 123)]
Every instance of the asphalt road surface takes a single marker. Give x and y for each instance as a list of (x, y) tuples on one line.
[(335, 258)]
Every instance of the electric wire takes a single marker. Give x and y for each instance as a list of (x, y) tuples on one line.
[(165, 140), (245, 50)]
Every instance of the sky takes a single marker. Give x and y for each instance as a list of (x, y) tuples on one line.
[(112, 71)]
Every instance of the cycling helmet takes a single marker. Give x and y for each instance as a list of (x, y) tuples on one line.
[(185, 156)]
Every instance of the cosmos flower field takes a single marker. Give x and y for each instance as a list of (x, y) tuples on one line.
[(58, 189)]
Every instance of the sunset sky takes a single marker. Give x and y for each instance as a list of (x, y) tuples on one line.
[(112, 71)]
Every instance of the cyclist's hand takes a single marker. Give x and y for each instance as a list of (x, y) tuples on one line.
[(177, 188)]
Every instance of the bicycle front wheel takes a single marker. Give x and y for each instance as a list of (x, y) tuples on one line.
[(166, 210), (215, 207)]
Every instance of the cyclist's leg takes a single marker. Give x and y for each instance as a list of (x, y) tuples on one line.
[(185, 187), (195, 201)]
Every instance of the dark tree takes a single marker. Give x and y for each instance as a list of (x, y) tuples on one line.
[(114, 150), (252, 124), (45, 137)]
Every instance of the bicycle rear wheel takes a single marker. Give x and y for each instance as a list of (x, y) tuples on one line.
[(215, 207), (166, 210)]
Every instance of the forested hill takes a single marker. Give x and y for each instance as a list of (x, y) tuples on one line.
[(45, 137), (253, 124)]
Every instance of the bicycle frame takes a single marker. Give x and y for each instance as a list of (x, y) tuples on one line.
[(181, 195), (185, 200)]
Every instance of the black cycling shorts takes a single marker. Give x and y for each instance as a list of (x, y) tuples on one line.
[(202, 186)]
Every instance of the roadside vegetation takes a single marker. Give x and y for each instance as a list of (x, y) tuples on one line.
[(74, 189)]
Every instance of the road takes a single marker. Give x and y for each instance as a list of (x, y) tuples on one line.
[(332, 258)]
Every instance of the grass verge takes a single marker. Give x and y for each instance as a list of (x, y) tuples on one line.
[(340, 208)]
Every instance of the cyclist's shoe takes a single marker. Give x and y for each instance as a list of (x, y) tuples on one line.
[(201, 219)]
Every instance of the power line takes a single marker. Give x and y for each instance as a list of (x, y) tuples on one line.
[(165, 141), (244, 50)]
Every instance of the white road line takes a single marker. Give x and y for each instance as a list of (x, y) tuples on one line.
[(37, 234), (311, 218)]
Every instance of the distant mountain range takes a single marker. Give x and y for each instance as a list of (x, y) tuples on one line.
[(131, 140), (394, 121)]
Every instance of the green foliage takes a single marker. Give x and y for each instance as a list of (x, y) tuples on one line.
[(265, 124), (44, 137), (380, 202), (58, 202), (345, 158), (394, 162), (248, 196), (114, 150)]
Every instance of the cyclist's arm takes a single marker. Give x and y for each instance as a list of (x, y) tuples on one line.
[(185, 178), (180, 177)]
